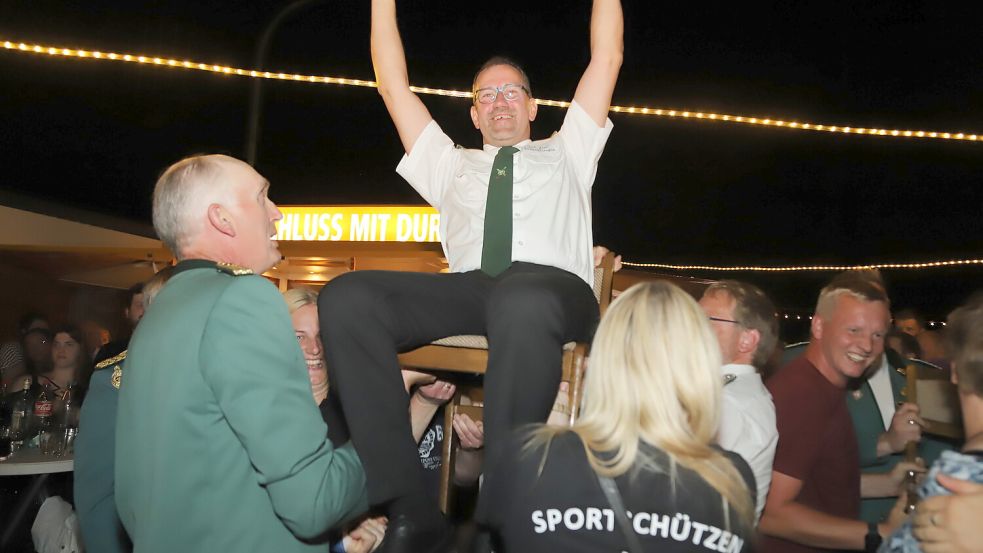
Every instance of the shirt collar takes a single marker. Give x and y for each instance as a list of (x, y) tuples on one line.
[(738, 370), (489, 149)]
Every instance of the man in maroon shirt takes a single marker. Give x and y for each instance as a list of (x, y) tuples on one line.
[(814, 502)]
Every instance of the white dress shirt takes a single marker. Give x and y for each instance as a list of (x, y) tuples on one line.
[(747, 425), (550, 193), (880, 385)]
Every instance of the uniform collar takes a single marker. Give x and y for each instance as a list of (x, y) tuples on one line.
[(189, 264), (738, 370), (489, 149)]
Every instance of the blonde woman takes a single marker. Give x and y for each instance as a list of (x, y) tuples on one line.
[(302, 304), (649, 418), (427, 394)]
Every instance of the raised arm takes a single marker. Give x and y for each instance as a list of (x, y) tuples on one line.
[(607, 47), (405, 108)]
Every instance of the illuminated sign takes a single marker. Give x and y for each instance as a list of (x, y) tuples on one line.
[(359, 223)]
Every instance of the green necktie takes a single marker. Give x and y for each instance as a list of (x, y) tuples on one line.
[(496, 249)]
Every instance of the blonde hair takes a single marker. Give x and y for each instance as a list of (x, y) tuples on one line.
[(299, 297), (654, 377), (964, 334), (863, 285), (156, 284)]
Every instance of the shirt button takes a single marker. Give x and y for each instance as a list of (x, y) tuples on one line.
[(516, 214), (515, 196), (521, 243)]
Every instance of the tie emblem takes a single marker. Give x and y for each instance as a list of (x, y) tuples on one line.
[(502, 172)]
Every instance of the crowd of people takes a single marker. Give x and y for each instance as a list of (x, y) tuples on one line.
[(237, 418)]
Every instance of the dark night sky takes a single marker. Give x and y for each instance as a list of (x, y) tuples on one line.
[(96, 134)]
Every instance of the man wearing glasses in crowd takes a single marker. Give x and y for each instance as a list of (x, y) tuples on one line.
[(743, 319), (515, 222)]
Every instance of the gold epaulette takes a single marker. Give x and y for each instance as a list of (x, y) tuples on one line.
[(111, 361), (233, 269)]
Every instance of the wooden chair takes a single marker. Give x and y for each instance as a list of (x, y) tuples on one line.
[(930, 388), (469, 354)]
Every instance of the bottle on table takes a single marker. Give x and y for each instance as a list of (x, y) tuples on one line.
[(49, 436), (20, 421), (70, 418)]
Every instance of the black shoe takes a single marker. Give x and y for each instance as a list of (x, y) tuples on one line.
[(406, 535)]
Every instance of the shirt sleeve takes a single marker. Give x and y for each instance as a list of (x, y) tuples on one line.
[(583, 142), (255, 369), (429, 167), (731, 433)]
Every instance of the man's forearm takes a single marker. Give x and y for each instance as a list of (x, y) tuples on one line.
[(389, 61), (878, 484), (607, 31), (388, 57), (800, 524), (606, 52), (883, 445)]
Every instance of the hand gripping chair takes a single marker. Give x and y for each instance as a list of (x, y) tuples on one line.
[(929, 387), (469, 354)]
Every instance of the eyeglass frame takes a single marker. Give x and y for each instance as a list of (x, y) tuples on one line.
[(499, 90), (722, 320)]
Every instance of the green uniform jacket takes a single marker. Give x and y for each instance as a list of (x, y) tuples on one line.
[(869, 425), (95, 448), (219, 446)]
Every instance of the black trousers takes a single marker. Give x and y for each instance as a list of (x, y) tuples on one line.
[(528, 313)]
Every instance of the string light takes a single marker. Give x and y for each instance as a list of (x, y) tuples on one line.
[(654, 112), (790, 316), (802, 268)]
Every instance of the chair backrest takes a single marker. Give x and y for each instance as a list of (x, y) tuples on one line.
[(930, 388), (603, 279)]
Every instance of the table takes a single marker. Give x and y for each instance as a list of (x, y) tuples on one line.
[(29, 461)]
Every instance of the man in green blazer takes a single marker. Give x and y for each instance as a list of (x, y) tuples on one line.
[(882, 436), (219, 446), (94, 452)]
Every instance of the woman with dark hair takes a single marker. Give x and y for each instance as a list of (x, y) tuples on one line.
[(68, 361)]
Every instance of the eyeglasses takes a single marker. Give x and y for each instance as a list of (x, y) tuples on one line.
[(719, 320), (508, 90)]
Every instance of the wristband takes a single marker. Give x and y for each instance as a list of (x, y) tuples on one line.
[(873, 538)]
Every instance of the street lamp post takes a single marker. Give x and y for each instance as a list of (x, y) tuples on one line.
[(259, 61)]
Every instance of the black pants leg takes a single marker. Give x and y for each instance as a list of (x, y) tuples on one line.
[(366, 317), (532, 311)]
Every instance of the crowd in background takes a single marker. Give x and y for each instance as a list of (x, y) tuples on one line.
[(53, 360)]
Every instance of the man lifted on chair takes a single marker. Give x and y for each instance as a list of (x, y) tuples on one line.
[(516, 229)]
